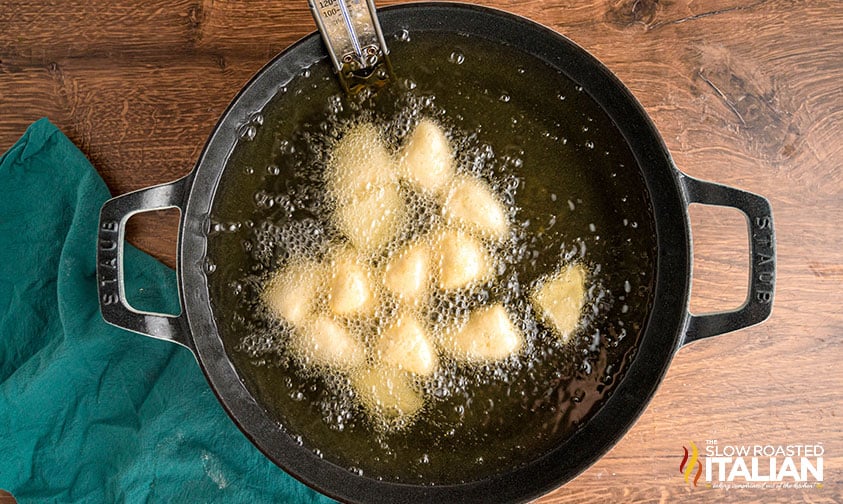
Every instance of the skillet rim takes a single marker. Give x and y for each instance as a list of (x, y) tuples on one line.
[(657, 345)]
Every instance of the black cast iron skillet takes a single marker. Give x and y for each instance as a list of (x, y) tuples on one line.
[(669, 327)]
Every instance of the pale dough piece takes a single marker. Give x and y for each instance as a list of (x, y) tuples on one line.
[(372, 218), (408, 273), (386, 393), (427, 158), (350, 287), (472, 202), (488, 335), (359, 162), (325, 342), (406, 345), (291, 292), (560, 299), (462, 260)]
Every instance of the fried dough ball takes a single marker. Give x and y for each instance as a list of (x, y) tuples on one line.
[(559, 300), (408, 272), (351, 290), (386, 393), (371, 219), (471, 202), (488, 335), (462, 260), (325, 342), (427, 159), (291, 292), (405, 344), (359, 162)]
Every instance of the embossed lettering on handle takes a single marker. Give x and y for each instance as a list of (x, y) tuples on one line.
[(762, 266), (112, 233), (107, 262)]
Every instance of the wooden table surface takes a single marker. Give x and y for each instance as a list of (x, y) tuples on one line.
[(744, 92)]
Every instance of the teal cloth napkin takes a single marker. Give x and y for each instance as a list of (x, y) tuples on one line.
[(89, 412)]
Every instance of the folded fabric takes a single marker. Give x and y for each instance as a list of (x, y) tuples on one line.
[(89, 412)]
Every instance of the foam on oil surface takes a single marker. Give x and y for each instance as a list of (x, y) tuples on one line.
[(274, 246), (548, 388)]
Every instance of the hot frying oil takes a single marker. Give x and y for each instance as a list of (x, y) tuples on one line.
[(573, 193)]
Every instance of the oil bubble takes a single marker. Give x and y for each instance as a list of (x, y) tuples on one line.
[(209, 266), (215, 228), (247, 132), (456, 58), (256, 119), (264, 199)]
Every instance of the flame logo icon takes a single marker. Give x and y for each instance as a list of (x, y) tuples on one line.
[(686, 467)]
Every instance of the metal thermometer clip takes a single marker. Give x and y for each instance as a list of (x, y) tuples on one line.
[(352, 33)]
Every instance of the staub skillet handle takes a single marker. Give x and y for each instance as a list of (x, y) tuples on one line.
[(112, 290), (762, 261)]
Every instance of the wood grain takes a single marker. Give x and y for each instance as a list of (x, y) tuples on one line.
[(745, 93)]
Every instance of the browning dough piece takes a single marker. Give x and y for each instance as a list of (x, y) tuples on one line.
[(350, 287), (427, 158), (325, 342), (386, 393), (291, 291), (470, 201), (488, 335), (372, 218), (406, 345), (560, 299), (462, 260), (359, 162), (408, 274)]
